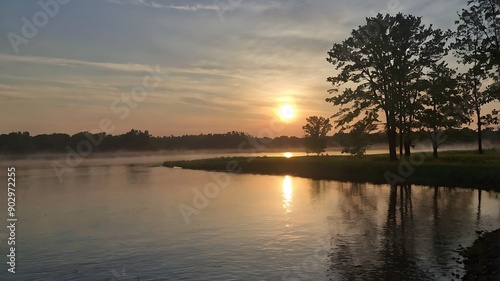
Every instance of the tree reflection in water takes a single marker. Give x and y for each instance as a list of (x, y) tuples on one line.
[(411, 238)]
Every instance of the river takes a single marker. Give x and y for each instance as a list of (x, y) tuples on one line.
[(130, 218)]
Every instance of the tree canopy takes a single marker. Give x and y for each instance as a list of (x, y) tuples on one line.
[(316, 131), (477, 46), (378, 70)]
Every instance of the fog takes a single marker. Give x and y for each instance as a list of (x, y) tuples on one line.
[(427, 146), (151, 158), (156, 158)]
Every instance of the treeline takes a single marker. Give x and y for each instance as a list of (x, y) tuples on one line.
[(136, 140)]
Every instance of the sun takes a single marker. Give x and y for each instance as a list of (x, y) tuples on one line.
[(287, 112)]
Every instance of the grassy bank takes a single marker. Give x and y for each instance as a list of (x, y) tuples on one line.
[(453, 169)]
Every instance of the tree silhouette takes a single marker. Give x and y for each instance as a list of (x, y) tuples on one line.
[(477, 46), (384, 59), (441, 100), (357, 141), (316, 130)]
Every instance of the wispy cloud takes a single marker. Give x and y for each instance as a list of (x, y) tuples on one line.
[(73, 63), (166, 5)]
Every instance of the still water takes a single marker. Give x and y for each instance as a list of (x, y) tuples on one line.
[(113, 220)]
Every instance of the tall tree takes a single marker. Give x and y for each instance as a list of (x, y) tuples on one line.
[(477, 46), (316, 129), (441, 101), (383, 59)]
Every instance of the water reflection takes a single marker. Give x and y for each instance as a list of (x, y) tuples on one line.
[(287, 194), (478, 215), (139, 176), (128, 216), (318, 189), (399, 248), (417, 239)]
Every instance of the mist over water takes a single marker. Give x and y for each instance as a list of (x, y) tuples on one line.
[(114, 215), (158, 157)]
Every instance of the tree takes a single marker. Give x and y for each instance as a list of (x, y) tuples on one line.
[(316, 130), (441, 102), (477, 46), (383, 59), (357, 140)]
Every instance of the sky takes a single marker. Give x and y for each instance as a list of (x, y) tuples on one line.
[(177, 66)]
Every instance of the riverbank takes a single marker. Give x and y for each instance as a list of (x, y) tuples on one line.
[(482, 259), (451, 169)]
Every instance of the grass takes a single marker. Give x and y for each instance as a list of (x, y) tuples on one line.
[(452, 168)]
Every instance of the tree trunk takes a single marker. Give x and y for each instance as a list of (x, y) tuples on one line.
[(434, 143), (401, 134), (434, 134), (434, 149), (407, 144), (479, 137), (391, 135)]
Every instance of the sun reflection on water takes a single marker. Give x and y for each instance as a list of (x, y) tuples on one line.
[(287, 194)]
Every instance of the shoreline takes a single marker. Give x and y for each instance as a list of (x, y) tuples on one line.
[(482, 259), (451, 169)]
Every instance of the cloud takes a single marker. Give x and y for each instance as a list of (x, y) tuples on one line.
[(232, 72), (73, 63), (162, 5)]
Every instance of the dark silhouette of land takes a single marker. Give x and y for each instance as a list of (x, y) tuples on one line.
[(482, 259), (453, 169), (136, 140)]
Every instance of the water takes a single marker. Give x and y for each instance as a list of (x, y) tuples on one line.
[(112, 220)]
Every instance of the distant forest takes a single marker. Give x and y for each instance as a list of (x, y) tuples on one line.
[(136, 140)]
